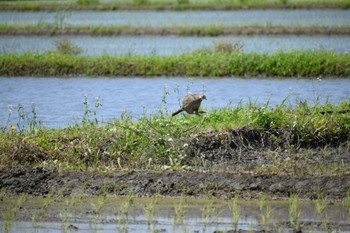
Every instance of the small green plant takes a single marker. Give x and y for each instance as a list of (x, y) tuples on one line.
[(3, 192), (87, 2), (123, 213), (321, 203), (228, 47), (234, 207), (347, 200), (265, 209), (180, 213), (9, 219), (183, 2), (66, 47), (149, 210), (294, 211), (141, 2), (208, 212), (283, 2)]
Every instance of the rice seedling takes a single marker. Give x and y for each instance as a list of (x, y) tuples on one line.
[(180, 213), (123, 213), (265, 210), (209, 213), (9, 220), (149, 211), (321, 203), (234, 207), (294, 211), (98, 204)]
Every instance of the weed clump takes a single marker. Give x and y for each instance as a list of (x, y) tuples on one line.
[(66, 47), (87, 2)]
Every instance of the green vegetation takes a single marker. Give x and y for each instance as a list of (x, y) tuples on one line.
[(295, 211), (205, 62), (59, 27), (171, 5), (161, 141), (94, 214)]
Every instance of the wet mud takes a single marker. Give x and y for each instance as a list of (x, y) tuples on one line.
[(38, 181), (218, 165)]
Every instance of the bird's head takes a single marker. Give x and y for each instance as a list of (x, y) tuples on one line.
[(203, 97)]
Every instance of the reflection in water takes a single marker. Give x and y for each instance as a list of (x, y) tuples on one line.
[(170, 215), (59, 101), (182, 18), (173, 45)]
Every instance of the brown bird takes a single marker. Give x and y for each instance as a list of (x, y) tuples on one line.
[(191, 104)]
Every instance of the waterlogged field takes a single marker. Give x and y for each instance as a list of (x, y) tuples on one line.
[(64, 97), (327, 18), (88, 144), (172, 45), (132, 214)]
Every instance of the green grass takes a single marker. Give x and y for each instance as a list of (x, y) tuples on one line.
[(171, 5), (54, 29), (160, 140), (205, 62)]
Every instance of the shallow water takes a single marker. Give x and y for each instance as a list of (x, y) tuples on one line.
[(173, 45), (183, 18), (59, 101), (163, 214)]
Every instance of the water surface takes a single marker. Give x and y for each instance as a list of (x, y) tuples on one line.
[(173, 45), (59, 101), (165, 215), (327, 18)]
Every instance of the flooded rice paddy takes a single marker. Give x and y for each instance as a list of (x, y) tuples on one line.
[(329, 18), (173, 45), (101, 214), (59, 101)]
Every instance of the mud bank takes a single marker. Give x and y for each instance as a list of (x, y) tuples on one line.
[(172, 31), (39, 181)]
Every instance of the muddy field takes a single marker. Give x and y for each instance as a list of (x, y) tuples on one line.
[(39, 180), (244, 161)]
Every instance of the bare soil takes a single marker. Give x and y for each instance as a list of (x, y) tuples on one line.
[(38, 181), (218, 165)]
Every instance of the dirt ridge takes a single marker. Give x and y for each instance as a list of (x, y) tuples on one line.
[(38, 181)]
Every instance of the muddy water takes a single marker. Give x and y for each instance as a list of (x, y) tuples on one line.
[(98, 214), (186, 18), (59, 101), (173, 45)]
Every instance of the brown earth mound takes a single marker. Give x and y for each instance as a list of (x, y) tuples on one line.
[(39, 180)]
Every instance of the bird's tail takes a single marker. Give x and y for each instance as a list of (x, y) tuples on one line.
[(177, 112)]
